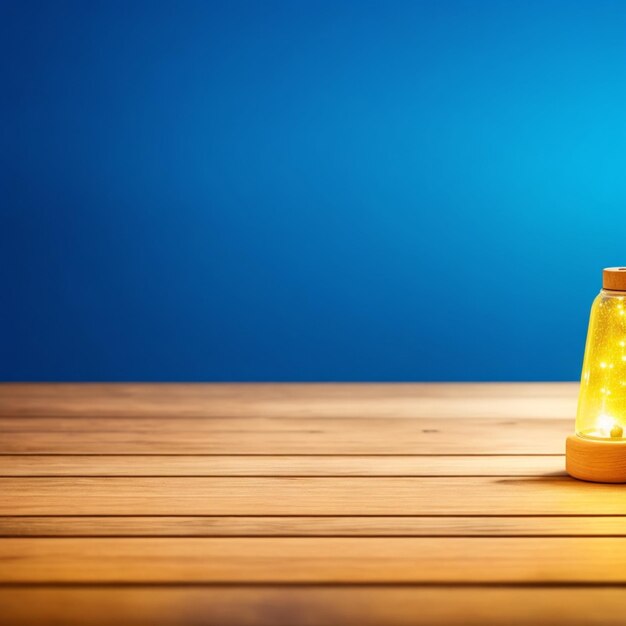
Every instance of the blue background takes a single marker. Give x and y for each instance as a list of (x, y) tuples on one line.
[(307, 190)]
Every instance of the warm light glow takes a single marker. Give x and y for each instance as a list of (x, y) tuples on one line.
[(602, 402), (604, 424)]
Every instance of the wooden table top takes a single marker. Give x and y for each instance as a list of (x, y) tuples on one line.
[(306, 504)]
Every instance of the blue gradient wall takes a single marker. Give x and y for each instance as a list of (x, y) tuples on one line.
[(308, 190)]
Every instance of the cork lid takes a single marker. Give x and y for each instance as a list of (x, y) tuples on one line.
[(614, 278)]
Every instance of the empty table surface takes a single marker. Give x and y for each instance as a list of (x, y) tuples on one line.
[(310, 504)]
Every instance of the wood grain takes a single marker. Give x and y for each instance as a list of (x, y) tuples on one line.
[(301, 504), (312, 606), (314, 560), (271, 436), (116, 465), (303, 526), (308, 496), (432, 400)]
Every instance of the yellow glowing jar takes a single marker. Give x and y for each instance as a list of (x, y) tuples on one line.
[(598, 451)]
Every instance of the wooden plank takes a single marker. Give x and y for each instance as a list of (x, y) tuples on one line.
[(283, 436), (116, 465), (308, 496), (499, 400), (302, 391), (326, 510), (314, 560), (313, 606), (275, 526)]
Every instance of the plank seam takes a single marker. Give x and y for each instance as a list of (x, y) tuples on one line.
[(281, 454), (308, 536), (565, 584), (317, 515), (26, 476)]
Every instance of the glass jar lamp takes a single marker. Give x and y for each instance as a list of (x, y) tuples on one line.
[(597, 452)]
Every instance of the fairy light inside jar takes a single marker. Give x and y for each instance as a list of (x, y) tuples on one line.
[(607, 426), (602, 400)]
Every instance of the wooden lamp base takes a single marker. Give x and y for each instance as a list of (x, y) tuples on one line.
[(596, 461)]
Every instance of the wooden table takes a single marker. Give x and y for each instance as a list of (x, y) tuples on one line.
[(302, 504)]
